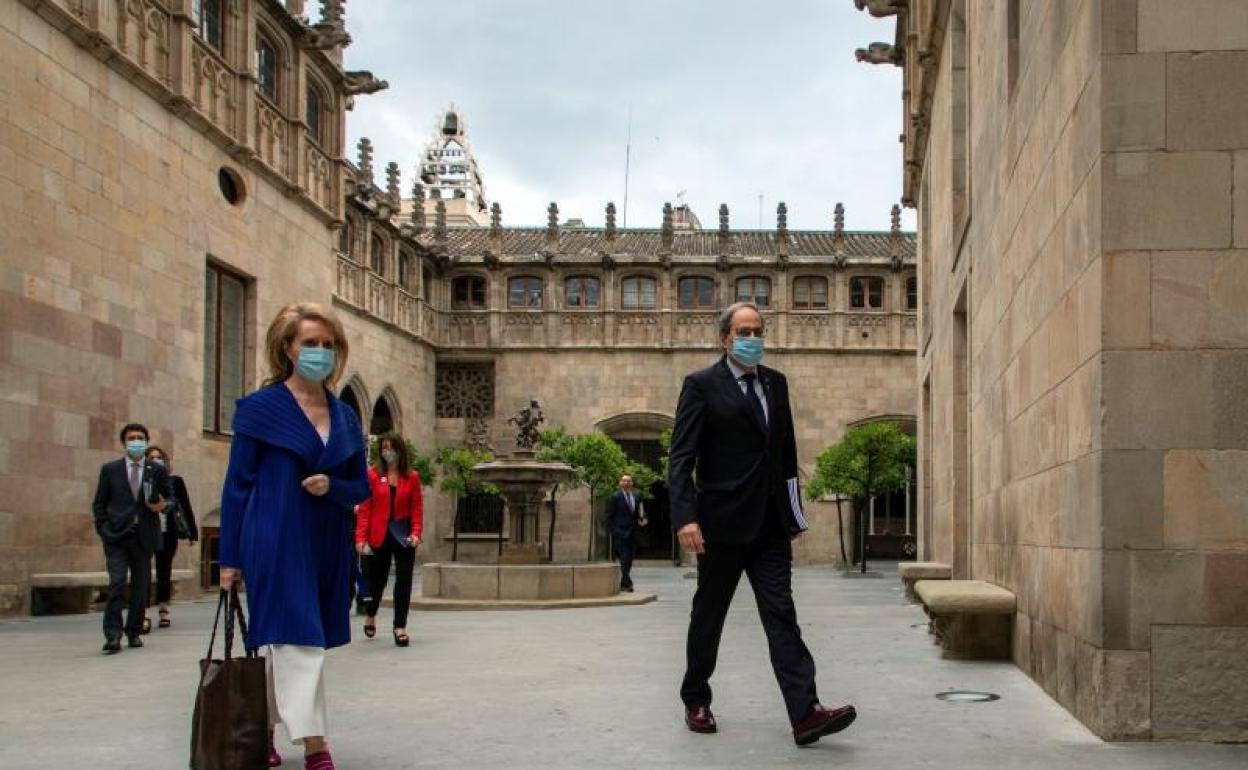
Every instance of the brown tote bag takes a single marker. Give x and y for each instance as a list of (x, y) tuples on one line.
[(230, 727)]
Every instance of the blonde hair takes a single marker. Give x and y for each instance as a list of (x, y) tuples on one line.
[(282, 332)]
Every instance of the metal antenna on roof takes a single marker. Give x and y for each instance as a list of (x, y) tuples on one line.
[(628, 152)]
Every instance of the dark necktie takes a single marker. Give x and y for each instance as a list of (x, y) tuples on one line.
[(135, 476), (752, 397), (629, 498)]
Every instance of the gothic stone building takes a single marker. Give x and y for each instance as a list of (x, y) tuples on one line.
[(172, 172), (1080, 170), (601, 324)]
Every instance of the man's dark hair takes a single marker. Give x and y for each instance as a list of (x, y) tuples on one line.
[(132, 428)]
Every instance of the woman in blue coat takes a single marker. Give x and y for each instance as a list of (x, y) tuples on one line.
[(297, 467)]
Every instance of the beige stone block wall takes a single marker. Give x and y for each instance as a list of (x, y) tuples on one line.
[(109, 210)]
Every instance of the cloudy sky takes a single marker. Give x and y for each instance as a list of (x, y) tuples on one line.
[(730, 100)]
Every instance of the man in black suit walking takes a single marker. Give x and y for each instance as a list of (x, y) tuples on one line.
[(624, 514), (734, 429), (128, 496)]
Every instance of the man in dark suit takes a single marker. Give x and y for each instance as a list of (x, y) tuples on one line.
[(624, 514), (128, 496), (734, 430)]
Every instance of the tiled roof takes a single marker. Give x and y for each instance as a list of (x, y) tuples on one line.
[(591, 242)]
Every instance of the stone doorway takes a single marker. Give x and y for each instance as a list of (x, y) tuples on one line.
[(656, 540)]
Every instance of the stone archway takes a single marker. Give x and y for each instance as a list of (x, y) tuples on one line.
[(638, 433), (891, 519), (386, 415), (355, 395)]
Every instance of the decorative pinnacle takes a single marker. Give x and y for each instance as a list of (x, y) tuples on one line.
[(439, 222), (838, 219), (331, 12), (782, 218), (611, 219), (552, 221), (496, 219), (365, 152), (723, 219), (392, 181), (418, 207), (896, 220)]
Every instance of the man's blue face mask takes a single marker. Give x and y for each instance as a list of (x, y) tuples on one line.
[(747, 350)]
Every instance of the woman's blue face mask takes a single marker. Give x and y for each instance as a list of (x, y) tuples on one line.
[(315, 364)]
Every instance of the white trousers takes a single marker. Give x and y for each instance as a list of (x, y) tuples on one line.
[(296, 679)]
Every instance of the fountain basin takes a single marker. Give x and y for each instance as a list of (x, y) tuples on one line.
[(500, 586)]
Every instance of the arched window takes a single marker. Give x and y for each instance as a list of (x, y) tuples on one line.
[(756, 289), (866, 292), (426, 284), (377, 255), (524, 292), (267, 68), (638, 292), (695, 291), (468, 293), (810, 292), (346, 239), (208, 21), (314, 113), (912, 294), (581, 291), (407, 271)]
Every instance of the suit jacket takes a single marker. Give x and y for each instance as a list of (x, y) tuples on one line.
[(372, 517), (118, 512), (725, 469), (623, 522)]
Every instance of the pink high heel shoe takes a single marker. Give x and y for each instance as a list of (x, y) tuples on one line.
[(318, 761), (275, 759)]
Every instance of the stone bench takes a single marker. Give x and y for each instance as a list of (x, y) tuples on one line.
[(59, 593), (921, 570), (969, 618)]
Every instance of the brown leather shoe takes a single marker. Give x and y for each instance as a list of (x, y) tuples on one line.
[(699, 719), (823, 721)]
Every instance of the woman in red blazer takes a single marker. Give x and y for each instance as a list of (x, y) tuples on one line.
[(388, 525)]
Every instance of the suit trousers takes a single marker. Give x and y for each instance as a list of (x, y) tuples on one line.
[(625, 548), (164, 566), (768, 563), (377, 568), (127, 556)]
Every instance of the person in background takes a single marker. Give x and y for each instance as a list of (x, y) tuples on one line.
[(128, 496), (389, 524), (625, 513), (297, 467), (177, 522)]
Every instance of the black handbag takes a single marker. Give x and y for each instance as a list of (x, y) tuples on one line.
[(176, 520), (230, 724)]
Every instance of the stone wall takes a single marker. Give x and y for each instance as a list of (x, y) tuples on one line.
[(1082, 350), (111, 210)]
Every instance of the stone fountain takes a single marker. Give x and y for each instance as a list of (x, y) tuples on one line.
[(522, 579)]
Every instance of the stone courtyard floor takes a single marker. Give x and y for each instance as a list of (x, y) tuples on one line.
[(569, 689)]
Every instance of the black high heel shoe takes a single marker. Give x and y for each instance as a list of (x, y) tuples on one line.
[(401, 639)]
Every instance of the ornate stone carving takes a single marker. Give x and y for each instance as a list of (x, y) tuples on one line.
[(464, 390), (667, 233), (392, 182), (477, 434), (418, 207), (881, 8), (359, 82), (880, 53)]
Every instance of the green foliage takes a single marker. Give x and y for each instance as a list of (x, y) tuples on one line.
[(598, 461), (457, 476), (870, 460), (665, 443), (421, 463)]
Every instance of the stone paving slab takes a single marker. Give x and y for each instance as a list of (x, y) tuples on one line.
[(574, 689)]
